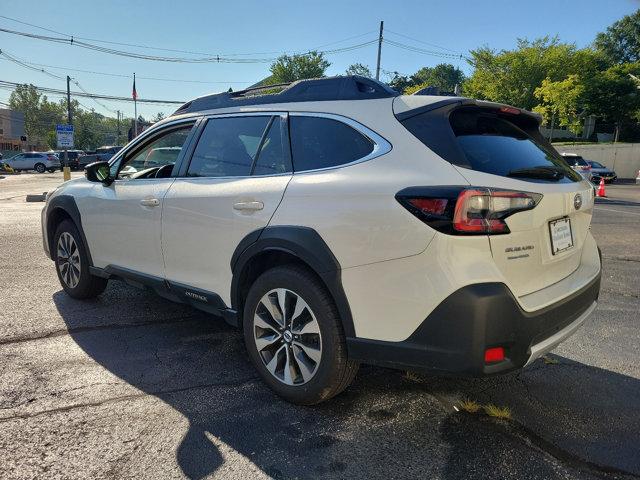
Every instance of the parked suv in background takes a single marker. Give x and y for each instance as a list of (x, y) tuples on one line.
[(337, 222), (578, 163), (38, 161), (73, 157), (599, 171), (102, 154)]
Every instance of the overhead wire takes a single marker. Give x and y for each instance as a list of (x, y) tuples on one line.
[(12, 85), (73, 41)]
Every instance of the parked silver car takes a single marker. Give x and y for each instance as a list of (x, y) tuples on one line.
[(38, 161)]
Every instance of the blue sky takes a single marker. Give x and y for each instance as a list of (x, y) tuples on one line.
[(267, 29)]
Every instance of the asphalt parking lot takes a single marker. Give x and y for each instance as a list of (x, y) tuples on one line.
[(133, 386)]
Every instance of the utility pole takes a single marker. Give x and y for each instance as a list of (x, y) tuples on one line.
[(118, 131), (66, 171), (379, 51), (135, 108)]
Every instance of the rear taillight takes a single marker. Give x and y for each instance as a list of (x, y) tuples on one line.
[(52, 157), (466, 210)]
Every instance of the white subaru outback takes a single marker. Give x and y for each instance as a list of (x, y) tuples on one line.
[(337, 222)]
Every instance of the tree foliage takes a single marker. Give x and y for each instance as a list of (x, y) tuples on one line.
[(621, 42), (613, 94), (444, 76), (560, 100), (359, 69), (91, 129), (512, 76), (289, 68)]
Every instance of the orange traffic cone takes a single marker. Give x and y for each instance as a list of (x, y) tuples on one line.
[(601, 192)]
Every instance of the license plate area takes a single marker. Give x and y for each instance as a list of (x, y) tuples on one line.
[(561, 235)]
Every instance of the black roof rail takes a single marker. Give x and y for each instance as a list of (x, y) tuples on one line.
[(352, 87)]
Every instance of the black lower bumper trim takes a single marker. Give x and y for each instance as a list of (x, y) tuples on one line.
[(454, 337)]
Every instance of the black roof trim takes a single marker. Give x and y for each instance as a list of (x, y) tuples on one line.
[(353, 87)]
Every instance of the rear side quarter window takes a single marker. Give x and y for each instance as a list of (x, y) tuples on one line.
[(320, 142)]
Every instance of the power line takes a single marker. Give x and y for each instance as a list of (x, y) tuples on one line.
[(26, 65), (140, 56), (42, 70), (12, 85), (92, 98), (172, 49), (422, 41), (422, 50), (121, 75)]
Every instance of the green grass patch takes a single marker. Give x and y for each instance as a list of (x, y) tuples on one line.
[(502, 413)]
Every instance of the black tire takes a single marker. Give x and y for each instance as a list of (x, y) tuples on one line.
[(334, 371), (39, 167), (88, 286)]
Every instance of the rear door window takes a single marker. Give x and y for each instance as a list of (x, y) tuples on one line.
[(240, 146), (320, 142)]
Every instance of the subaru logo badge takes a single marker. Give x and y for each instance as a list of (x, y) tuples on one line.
[(577, 201)]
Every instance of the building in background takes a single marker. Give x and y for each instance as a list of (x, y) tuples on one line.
[(13, 138), (12, 135)]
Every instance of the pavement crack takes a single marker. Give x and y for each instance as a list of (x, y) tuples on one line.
[(532, 439), (71, 331), (620, 258), (622, 294), (131, 396)]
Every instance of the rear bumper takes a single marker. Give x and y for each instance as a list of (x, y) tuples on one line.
[(454, 337)]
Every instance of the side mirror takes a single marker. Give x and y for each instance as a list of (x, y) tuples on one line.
[(99, 172)]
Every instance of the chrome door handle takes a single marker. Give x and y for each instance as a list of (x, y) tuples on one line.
[(248, 206), (149, 202)]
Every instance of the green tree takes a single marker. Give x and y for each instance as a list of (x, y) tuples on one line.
[(561, 100), (359, 69), (613, 95), (289, 68), (40, 115), (400, 82), (621, 42), (444, 76), (157, 117), (512, 76)]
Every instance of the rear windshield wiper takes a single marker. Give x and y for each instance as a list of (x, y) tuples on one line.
[(542, 172)]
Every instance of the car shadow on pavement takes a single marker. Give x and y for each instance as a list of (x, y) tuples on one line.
[(386, 425)]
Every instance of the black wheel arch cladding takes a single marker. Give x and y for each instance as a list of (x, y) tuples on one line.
[(305, 244), (66, 204)]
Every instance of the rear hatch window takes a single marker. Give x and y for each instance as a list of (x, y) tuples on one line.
[(491, 141)]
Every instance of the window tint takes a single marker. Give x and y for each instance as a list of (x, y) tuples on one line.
[(271, 160), (596, 164), (162, 151), (493, 144), (318, 142), (236, 146)]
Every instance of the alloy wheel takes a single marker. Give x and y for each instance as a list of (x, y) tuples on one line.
[(287, 336), (68, 260)]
